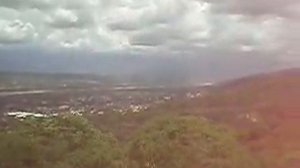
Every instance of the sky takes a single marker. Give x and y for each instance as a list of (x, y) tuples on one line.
[(248, 35)]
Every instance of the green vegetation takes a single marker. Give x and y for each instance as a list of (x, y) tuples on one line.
[(64, 142), (187, 143), (71, 142)]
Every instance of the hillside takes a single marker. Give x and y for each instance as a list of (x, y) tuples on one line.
[(271, 100), (264, 108)]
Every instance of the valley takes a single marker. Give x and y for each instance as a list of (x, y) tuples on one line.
[(263, 109)]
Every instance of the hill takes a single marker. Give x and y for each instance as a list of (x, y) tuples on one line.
[(263, 108), (271, 100)]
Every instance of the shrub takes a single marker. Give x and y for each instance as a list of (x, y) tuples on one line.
[(186, 142)]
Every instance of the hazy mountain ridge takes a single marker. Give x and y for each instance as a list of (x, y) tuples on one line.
[(161, 69)]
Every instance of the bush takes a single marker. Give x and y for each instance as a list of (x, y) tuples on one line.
[(63, 142), (186, 143)]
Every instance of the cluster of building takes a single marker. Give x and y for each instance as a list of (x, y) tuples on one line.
[(89, 102)]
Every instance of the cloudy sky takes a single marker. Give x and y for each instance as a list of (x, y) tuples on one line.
[(211, 30)]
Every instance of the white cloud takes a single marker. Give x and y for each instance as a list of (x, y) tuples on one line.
[(16, 32), (174, 26), (63, 18)]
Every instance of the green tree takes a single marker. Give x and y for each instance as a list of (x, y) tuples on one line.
[(187, 143), (63, 142)]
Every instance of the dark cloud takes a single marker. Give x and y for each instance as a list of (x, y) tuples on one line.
[(256, 7), (124, 26), (26, 4), (157, 36)]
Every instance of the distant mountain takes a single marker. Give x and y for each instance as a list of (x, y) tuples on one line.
[(127, 67)]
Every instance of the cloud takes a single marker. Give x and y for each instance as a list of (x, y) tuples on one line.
[(28, 4), (63, 18), (255, 7), (155, 37), (186, 27), (16, 32)]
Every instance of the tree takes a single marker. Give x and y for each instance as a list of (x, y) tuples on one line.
[(186, 142), (62, 142)]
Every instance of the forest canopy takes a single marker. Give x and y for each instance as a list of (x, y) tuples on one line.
[(72, 142)]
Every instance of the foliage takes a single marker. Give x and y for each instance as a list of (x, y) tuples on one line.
[(63, 142), (186, 143), (71, 142)]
